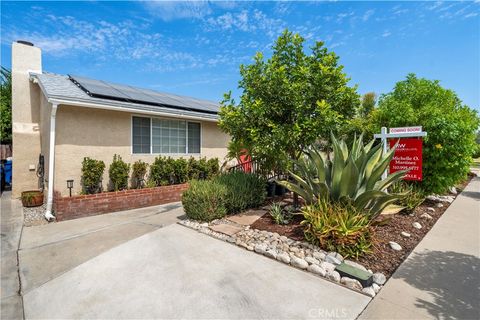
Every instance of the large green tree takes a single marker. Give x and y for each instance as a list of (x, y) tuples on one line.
[(369, 100), (5, 106), (451, 127), (289, 101)]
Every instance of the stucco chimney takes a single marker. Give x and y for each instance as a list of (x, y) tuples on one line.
[(26, 58)]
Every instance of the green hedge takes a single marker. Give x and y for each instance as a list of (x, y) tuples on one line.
[(166, 170), (227, 193), (451, 128), (204, 200), (243, 191)]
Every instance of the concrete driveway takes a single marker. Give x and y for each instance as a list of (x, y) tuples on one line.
[(175, 272), (48, 251)]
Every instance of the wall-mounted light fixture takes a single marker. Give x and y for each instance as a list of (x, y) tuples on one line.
[(70, 186)]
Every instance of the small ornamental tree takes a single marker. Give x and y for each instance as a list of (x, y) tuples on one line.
[(92, 173), (368, 104), (289, 101), (118, 172), (139, 170), (451, 127)]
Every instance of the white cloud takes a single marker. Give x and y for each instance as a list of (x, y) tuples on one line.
[(386, 33), (368, 14), (435, 5), (344, 15), (282, 7), (400, 11), (246, 21), (170, 10), (470, 15), (336, 44), (105, 41)]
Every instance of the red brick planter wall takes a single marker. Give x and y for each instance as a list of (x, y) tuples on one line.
[(67, 208)]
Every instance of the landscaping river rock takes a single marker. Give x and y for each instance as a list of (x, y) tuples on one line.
[(299, 254)]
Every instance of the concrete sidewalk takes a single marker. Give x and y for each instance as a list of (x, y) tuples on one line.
[(11, 229), (177, 273), (441, 278)]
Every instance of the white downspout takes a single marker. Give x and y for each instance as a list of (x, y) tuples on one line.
[(51, 164)]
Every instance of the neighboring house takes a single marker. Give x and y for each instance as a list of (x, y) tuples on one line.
[(66, 118)]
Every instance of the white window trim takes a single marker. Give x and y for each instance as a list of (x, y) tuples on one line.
[(151, 138)]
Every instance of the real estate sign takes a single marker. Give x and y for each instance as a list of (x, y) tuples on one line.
[(407, 156), (406, 130)]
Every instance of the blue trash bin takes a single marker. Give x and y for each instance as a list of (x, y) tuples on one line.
[(8, 171)]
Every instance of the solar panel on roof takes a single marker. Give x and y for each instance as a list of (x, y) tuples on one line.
[(96, 87), (105, 90)]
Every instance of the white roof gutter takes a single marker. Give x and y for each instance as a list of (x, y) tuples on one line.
[(114, 108)]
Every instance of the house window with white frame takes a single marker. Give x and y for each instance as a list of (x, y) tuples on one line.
[(165, 136)]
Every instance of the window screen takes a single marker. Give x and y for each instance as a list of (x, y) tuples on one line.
[(167, 136), (193, 137), (141, 135)]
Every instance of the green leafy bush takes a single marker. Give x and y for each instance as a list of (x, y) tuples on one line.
[(139, 170), (92, 172), (414, 195), (451, 128), (243, 190), (162, 171), (194, 169), (204, 200), (166, 170), (213, 167), (338, 227), (353, 176), (180, 170), (202, 168), (118, 172), (476, 152)]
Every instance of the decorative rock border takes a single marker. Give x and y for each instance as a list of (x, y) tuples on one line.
[(299, 254)]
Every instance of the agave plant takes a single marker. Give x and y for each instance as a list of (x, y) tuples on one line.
[(353, 176)]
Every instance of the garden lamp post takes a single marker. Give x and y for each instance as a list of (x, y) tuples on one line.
[(70, 186)]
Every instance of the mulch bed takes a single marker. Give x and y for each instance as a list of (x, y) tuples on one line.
[(382, 258)]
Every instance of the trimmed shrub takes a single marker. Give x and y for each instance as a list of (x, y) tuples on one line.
[(162, 171), (451, 127), (243, 190), (204, 200), (118, 173), (193, 169), (202, 168), (338, 227), (180, 170), (213, 167), (92, 172), (139, 170)]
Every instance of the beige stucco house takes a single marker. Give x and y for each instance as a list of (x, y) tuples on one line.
[(66, 118)]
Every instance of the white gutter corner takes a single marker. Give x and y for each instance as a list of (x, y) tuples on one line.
[(51, 164)]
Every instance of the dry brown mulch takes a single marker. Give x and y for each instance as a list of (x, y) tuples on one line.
[(382, 258), (293, 230)]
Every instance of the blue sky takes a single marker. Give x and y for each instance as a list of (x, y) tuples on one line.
[(195, 48)]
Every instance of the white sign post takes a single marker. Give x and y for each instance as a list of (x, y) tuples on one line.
[(403, 132)]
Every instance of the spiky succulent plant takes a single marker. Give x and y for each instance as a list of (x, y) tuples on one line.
[(353, 176)]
